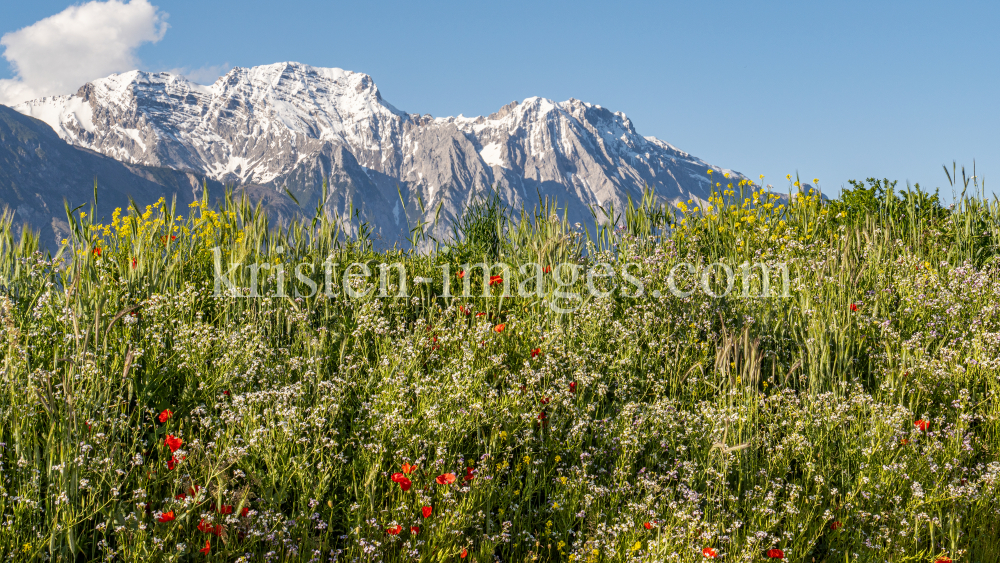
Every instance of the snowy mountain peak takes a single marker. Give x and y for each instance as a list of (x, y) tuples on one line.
[(295, 81), (291, 125)]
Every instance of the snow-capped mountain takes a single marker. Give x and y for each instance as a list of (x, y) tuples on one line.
[(290, 126)]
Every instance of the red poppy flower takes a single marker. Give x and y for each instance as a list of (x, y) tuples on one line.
[(172, 463), (542, 415), (245, 512), (464, 310), (709, 553), (496, 279), (207, 548), (396, 477), (545, 400), (535, 352), (470, 473), (405, 484), (173, 442), (499, 328), (165, 415), (407, 468), (97, 251), (226, 509), (464, 553), (854, 307), (572, 387), (922, 424), (166, 517), (480, 314), (414, 530), (836, 525), (648, 526), (446, 479), (426, 511), (181, 496), (943, 560), (461, 274), (210, 529), (193, 490), (395, 530), (547, 269), (133, 263), (904, 441), (775, 554)]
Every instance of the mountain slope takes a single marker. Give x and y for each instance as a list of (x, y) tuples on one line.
[(38, 171), (290, 126)]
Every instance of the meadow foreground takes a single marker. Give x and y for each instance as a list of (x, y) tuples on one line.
[(154, 411)]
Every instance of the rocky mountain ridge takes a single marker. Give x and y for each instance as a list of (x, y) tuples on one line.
[(292, 126)]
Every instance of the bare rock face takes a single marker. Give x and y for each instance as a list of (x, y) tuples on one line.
[(292, 126)]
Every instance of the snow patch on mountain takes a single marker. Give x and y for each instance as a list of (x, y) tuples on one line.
[(493, 155)]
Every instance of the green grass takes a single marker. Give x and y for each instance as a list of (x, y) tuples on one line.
[(740, 424)]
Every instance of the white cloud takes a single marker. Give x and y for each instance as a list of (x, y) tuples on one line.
[(60, 53)]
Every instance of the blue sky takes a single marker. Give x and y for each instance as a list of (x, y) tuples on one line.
[(835, 91)]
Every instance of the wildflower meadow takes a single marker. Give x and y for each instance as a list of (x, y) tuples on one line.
[(677, 408)]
